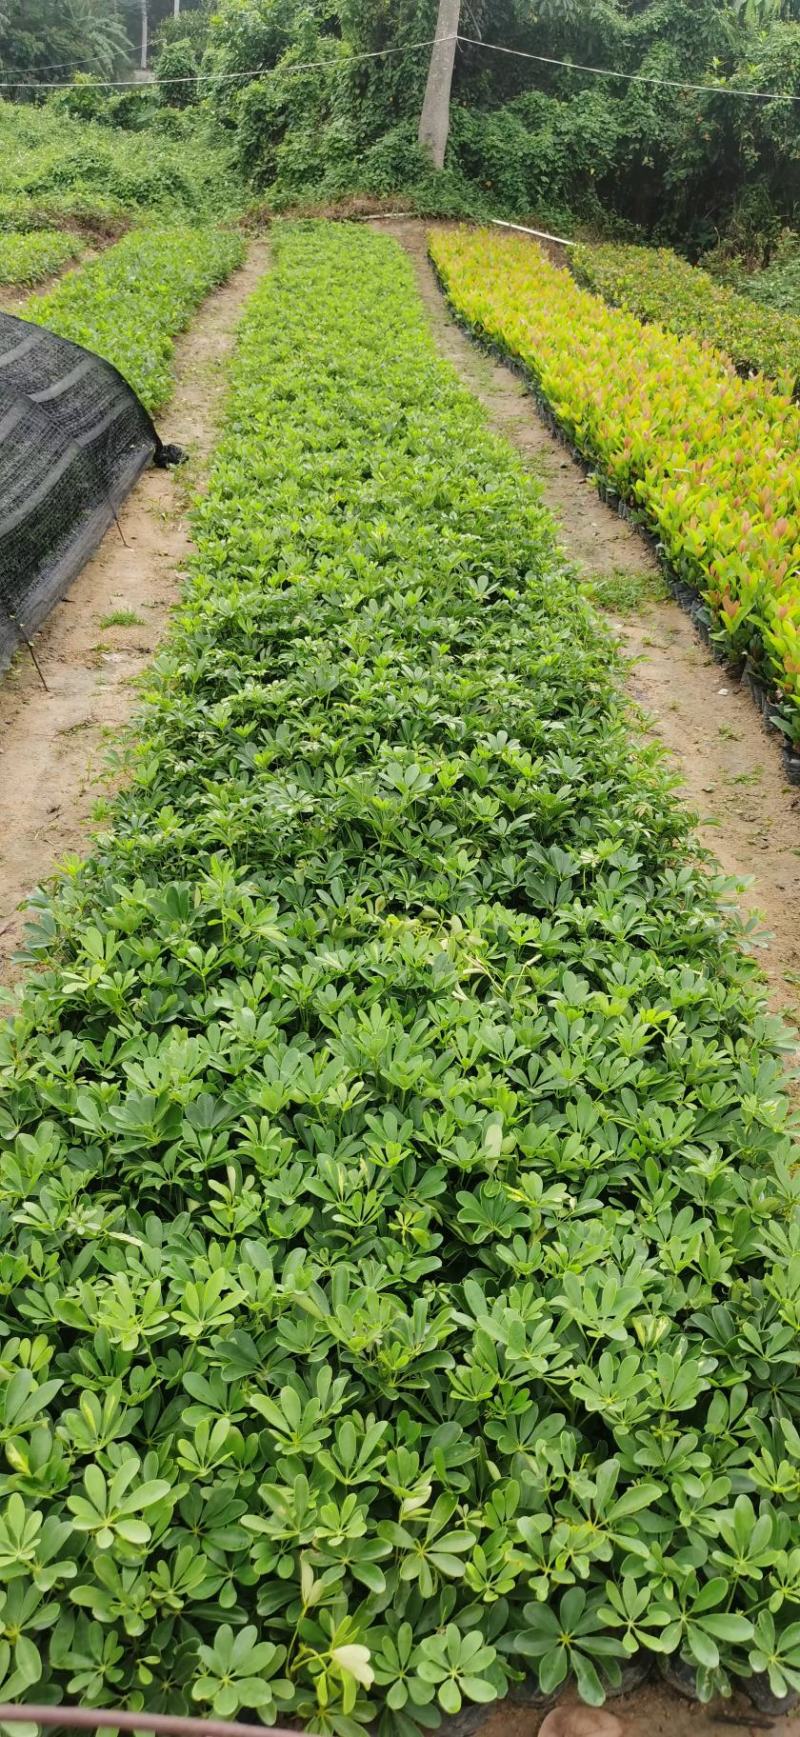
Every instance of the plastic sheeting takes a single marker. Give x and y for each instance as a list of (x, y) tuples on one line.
[(73, 440)]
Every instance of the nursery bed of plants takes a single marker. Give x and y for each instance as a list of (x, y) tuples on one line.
[(398, 1196), (30, 257), (709, 460), (129, 304), (656, 284), (778, 284)]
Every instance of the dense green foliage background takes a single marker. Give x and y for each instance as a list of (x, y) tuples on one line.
[(48, 39), (59, 162), (45, 39), (528, 138)]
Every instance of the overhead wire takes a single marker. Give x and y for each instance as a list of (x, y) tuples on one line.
[(254, 72), (54, 65), (631, 77), (333, 64)]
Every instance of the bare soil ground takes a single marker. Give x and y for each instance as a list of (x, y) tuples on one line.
[(730, 768), (99, 639), (654, 1711)]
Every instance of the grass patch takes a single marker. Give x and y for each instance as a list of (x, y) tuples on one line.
[(52, 161), (623, 593), (121, 618)]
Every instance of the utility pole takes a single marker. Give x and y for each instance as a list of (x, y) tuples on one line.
[(143, 62), (434, 126), (176, 10)]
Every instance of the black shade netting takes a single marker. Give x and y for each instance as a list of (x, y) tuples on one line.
[(73, 440)]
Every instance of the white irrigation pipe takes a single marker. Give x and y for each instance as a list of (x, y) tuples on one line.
[(497, 222), (541, 234)]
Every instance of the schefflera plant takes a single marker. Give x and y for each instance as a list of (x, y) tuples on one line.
[(129, 304), (400, 1273)]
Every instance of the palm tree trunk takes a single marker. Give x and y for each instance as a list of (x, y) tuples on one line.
[(434, 126)]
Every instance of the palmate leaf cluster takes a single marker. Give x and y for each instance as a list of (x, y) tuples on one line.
[(400, 1255), (129, 304), (709, 459)]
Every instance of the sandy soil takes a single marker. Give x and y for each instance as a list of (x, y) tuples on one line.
[(53, 745), (730, 768), (654, 1711)]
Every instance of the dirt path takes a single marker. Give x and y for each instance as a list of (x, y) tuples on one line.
[(730, 769), (654, 1711), (15, 297), (99, 639)]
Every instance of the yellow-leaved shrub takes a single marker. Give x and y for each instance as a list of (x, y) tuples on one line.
[(711, 461)]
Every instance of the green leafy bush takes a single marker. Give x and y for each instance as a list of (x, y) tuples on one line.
[(129, 304), (29, 257), (539, 155), (177, 65), (399, 1209), (656, 284), (192, 27), (709, 461), (778, 285), (85, 99), (49, 157)]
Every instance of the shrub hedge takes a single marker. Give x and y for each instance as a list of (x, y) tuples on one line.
[(710, 460), (656, 284), (28, 258), (129, 304), (399, 1207)]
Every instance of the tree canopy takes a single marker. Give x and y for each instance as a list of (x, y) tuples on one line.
[(529, 138), (49, 39), (46, 40)]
